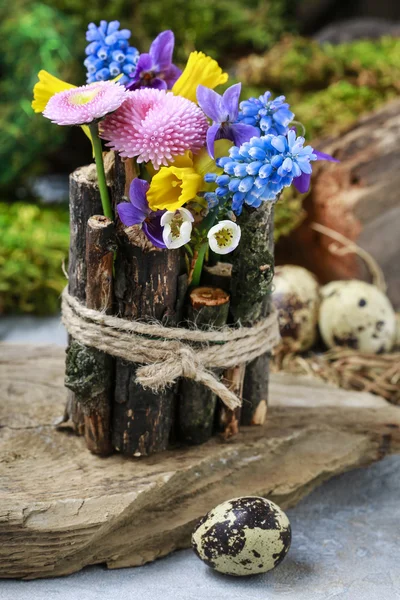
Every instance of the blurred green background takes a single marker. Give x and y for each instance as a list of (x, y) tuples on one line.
[(261, 43)]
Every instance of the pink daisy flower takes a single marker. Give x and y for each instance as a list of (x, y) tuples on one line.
[(82, 105), (154, 125)]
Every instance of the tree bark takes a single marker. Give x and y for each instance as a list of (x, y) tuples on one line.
[(84, 202), (146, 286), (100, 249), (256, 380), (252, 273), (208, 307), (228, 420), (218, 275)]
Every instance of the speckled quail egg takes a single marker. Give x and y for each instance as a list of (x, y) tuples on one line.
[(243, 536), (396, 345), (357, 315), (296, 298)]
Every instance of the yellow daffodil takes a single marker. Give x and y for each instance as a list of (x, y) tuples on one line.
[(45, 88), (172, 187), (200, 69)]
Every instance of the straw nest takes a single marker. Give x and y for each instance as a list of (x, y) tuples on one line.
[(346, 368)]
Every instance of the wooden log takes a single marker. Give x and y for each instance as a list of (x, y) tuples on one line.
[(228, 420), (256, 379), (89, 372), (208, 307), (359, 198), (146, 285), (100, 249), (63, 509), (218, 275), (84, 201), (252, 274)]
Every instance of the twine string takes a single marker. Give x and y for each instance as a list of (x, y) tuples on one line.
[(167, 353)]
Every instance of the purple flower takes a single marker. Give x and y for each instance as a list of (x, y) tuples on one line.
[(155, 69), (223, 110), (302, 183), (137, 212)]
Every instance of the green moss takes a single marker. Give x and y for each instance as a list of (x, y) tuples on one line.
[(224, 29), (87, 371), (330, 111), (300, 64), (34, 36), (328, 87), (33, 245)]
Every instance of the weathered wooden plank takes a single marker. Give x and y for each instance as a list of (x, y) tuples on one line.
[(62, 508)]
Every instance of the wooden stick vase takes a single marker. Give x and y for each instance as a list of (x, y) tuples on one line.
[(117, 271)]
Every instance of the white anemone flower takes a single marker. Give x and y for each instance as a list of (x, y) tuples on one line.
[(224, 237), (177, 226)]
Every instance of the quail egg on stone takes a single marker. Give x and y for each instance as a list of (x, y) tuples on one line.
[(243, 536), (296, 297), (357, 315)]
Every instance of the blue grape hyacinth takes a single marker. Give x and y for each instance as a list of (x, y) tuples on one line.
[(271, 116), (260, 169), (109, 53)]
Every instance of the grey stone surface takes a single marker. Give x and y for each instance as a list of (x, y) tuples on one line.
[(346, 546), (50, 188), (346, 541), (33, 330)]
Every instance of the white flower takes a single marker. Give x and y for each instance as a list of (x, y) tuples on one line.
[(224, 237), (177, 227)]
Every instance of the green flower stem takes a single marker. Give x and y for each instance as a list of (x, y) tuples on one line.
[(202, 250), (198, 268), (101, 176)]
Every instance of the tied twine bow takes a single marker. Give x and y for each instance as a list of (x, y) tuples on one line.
[(168, 353)]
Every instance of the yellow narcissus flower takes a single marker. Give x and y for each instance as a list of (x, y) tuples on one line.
[(200, 69), (172, 187), (45, 88)]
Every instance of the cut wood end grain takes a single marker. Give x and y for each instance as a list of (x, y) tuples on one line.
[(99, 222), (208, 296), (224, 269)]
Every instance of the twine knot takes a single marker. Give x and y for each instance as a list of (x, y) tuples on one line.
[(189, 362), (168, 353)]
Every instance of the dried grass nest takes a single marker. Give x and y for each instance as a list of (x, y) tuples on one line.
[(346, 368)]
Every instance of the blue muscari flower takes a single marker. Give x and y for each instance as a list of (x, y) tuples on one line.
[(271, 116), (260, 169), (109, 53)]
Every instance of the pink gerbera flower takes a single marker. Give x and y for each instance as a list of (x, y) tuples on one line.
[(85, 104), (154, 125)]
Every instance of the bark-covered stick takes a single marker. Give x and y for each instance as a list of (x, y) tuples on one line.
[(100, 248), (84, 201), (229, 420), (146, 282), (207, 307), (218, 275), (252, 273), (256, 381)]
